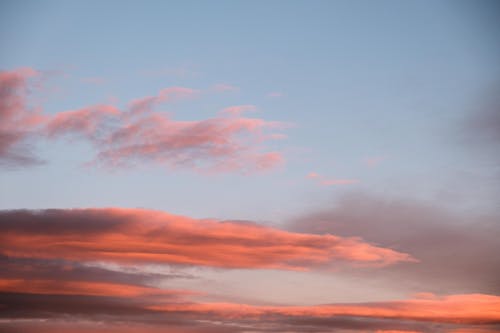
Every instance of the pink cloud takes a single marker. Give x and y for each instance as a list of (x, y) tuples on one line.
[(146, 104), (227, 142), (237, 110), (86, 121), (18, 120), (219, 144), (214, 144)]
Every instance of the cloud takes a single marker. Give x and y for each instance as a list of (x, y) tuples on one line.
[(137, 134), (463, 309), (146, 104), (17, 120), (29, 268), (456, 251), (38, 295), (396, 331), (143, 236), (86, 122), (51, 287), (454, 313), (321, 180), (237, 110), (61, 277), (220, 144)]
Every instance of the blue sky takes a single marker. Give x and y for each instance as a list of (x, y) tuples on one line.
[(358, 80)]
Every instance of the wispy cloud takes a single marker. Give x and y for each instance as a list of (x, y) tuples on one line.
[(219, 144), (86, 122), (146, 104), (139, 134)]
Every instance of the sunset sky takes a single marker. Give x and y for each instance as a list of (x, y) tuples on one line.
[(249, 166)]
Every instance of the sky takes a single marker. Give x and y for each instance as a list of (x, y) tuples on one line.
[(249, 166)]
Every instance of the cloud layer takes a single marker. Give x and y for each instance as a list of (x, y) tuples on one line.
[(40, 295), (142, 236)]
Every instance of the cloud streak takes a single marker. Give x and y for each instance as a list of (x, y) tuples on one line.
[(143, 236), (55, 287), (464, 309), (453, 313)]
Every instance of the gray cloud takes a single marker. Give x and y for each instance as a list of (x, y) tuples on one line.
[(457, 253)]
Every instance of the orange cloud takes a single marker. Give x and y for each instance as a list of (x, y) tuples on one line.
[(462, 309), (141, 236), (396, 331), (89, 288)]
